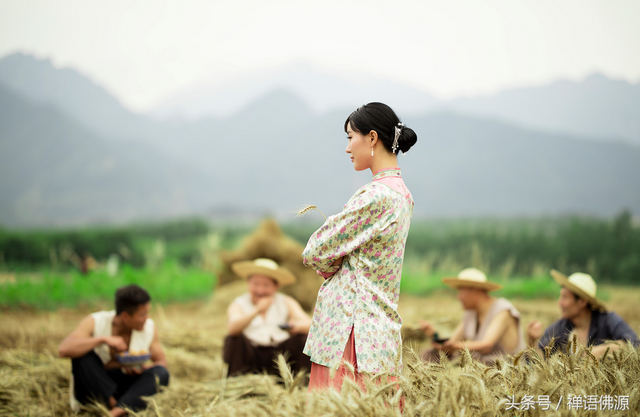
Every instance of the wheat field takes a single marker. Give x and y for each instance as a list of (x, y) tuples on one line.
[(34, 382)]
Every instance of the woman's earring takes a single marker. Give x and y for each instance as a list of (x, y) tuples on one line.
[(372, 151)]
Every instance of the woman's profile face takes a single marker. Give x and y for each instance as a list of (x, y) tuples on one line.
[(359, 147)]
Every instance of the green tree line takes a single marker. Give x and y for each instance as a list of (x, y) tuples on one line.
[(609, 249), (40, 248)]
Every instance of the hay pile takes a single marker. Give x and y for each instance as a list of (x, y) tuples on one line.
[(33, 384), (268, 241)]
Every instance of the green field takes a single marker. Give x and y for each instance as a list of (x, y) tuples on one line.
[(49, 290), (172, 282), (178, 260)]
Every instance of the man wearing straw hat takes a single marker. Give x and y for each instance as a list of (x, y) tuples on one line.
[(263, 323), (490, 326), (584, 315)]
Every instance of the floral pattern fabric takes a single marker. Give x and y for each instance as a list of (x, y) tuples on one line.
[(362, 292)]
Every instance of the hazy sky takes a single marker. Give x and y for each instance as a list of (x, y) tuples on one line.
[(145, 51)]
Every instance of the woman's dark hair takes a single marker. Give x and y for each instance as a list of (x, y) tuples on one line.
[(382, 119), (129, 298), (578, 298)]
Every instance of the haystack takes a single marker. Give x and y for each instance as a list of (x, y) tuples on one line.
[(268, 241)]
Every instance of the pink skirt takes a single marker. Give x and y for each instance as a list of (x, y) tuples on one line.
[(320, 377)]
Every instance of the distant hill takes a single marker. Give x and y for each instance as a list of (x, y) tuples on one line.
[(55, 171), (482, 167), (67, 89), (80, 98), (323, 91), (597, 107), (278, 154)]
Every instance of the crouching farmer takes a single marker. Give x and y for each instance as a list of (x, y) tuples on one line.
[(263, 322), (104, 338)]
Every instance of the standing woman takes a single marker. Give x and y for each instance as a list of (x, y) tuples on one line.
[(359, 252)]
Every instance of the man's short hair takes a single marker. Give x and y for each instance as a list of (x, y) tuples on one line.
[(130, 297)]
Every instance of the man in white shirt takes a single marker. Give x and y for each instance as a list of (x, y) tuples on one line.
[(490, 327), (96, 348), (263, 322)]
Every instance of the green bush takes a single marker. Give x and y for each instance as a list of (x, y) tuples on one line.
[(169, 283), (39, 248)]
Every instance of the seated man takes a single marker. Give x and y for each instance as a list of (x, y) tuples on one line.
[(490, 327), (93, 348), (263, 322), (584, 315)]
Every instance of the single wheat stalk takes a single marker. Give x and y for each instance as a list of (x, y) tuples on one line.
[(307, 209)]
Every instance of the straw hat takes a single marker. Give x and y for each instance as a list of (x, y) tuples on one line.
[(264, 266), (581, 285), (471, 277)]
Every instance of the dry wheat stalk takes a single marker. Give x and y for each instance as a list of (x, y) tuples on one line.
[(307, 209), (35, 382)]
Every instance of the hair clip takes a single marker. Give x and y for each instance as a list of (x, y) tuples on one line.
[(398, 131)]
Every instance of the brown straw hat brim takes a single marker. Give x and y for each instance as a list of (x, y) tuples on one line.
[(563, 280), (245, 269), (455, 282)]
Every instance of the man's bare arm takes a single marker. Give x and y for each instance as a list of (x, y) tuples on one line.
[(157, 353), (238, 320), (80, 341), (599, 350), (299, 320), (495, 331), (458, 333), (454, 341)]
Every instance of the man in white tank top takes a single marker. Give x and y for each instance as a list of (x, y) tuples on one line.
[(104, 337), (490, 326), (263, 322)]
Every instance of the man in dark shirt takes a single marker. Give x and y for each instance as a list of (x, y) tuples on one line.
[(583, 315)]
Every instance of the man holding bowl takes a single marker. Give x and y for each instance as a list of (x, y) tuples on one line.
[(109, 354)]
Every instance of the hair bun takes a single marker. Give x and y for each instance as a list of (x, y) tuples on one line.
[(383, 120), (407, 139)]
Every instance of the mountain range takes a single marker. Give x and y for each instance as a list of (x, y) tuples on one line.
[(70, 153), (55, 171), (597, 107)]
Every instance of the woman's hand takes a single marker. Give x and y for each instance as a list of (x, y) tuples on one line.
[(327, 275)]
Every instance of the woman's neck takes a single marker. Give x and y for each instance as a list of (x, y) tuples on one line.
[(382, 161)]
